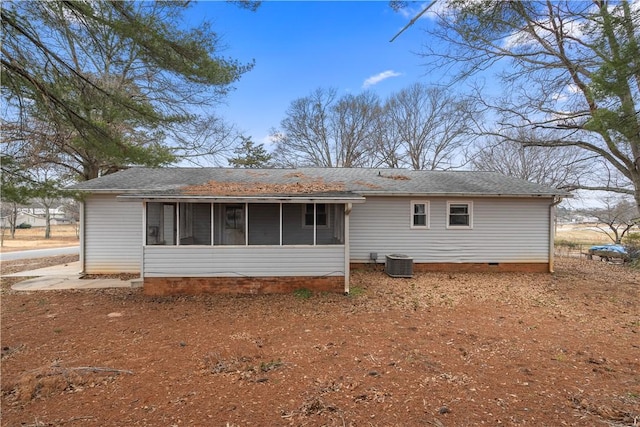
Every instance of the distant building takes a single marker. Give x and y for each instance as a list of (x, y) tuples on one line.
[(35, 216)]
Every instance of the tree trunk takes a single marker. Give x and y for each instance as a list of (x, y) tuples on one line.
[(47, 223), (636, 193), (13, 218)]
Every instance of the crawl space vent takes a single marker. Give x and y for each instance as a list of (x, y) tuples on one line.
[(398, 265)]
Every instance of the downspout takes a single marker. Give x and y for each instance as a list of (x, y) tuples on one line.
[(552, 228), (347, 257)]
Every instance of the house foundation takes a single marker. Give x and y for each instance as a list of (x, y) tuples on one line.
[(164, 286), (479, 267)]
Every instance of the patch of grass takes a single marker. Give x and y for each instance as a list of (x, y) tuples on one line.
[(303, 293), (560, 357), (355, 291)]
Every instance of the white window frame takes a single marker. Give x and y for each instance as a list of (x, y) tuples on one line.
[(427, 211), (470, 213), (315, 224)]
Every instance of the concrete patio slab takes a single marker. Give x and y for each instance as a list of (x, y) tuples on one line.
[(70, 269), (66, 276), (61, 282)]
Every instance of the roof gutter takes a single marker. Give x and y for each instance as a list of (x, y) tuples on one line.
[(244, 199), (138, 192), (483, 195)]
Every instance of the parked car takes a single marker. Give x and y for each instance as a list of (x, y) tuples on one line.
[(609, 253), (24, 225)]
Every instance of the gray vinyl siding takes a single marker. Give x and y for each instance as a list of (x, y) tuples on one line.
[(112, 235), (238, 261), (504, 230)]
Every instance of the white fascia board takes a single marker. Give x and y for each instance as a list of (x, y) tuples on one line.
[(243, 199), (467, 195)]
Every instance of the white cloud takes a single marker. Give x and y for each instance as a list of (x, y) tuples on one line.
[(412, 10), (374, 80), (543, 30), (268, 141)]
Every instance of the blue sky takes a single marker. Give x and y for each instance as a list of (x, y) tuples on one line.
[(299, 46)]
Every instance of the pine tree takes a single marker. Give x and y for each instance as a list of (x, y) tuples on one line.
[(250, 156)]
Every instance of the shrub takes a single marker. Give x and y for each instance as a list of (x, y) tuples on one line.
[(24, 225)]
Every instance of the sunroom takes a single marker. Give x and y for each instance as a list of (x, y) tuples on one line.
[(245, 245)]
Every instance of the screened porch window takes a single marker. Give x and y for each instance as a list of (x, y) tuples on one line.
[(240, 224), (190, 221), (264, 223), (161, 224), (195, 223), (229, 224)]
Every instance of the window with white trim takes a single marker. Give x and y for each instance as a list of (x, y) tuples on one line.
[(459, 214), (321, 215), (419, 214)]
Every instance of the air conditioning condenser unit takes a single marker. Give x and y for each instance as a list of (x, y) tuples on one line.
[(398, 265)]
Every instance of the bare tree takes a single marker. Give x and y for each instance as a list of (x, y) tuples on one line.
[(47, 189), (426, 127), (519, 155), (324, 130), (570, 66), (204, 140), (353, 124), (304, 139), (616, 218), (9, 213), (72, 213), (387, 144)]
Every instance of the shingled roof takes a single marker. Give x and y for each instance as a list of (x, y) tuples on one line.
[(204, 182)]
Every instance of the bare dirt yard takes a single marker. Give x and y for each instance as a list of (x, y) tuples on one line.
[(33, 238), (437, 349)]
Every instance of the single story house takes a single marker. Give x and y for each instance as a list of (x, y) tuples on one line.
[(33, 219), (193, 230)]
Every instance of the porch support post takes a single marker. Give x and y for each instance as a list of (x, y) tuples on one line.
[(144, 238), (347, 258), (281, 224), (83, 225)]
